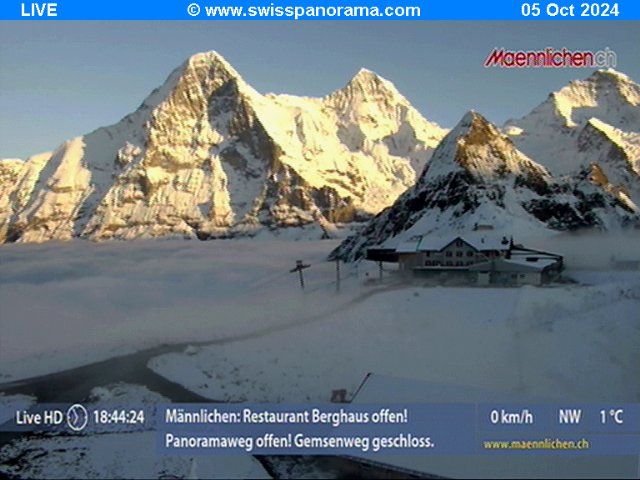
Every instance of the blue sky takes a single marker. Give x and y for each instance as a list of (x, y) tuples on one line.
[(62, 79)]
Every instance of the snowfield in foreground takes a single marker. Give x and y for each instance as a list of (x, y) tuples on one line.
[(247, 332), (570, 342), (72, 304)]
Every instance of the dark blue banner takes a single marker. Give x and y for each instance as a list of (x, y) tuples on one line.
[(319, 10), (351, 429)]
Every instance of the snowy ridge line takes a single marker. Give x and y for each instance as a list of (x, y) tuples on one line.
[(571, 164), (207, 156)]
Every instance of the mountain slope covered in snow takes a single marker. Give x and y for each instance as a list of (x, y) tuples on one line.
[(588, 128), (206, 155), (477, 176)]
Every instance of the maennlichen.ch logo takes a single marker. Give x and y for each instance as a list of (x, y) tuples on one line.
[(551, 58)]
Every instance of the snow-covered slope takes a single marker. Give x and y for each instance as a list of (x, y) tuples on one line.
[(206, 155), (478, 176), (590, 125)]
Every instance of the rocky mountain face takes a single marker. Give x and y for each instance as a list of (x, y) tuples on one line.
[(207, 156), (589, 128), (478, 176)]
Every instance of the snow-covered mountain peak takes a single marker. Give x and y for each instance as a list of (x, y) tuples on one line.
[(371, 107), (364, 74), (469, 117), (608, 95), (478, 176), (206, 155), (478, 147), (212, 70), (611, 74), (210, 57), (365, 87), (196, 69), (365, 77), (587, 121), (606, 89), (212, 65), (572, 163), (473, 127)]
